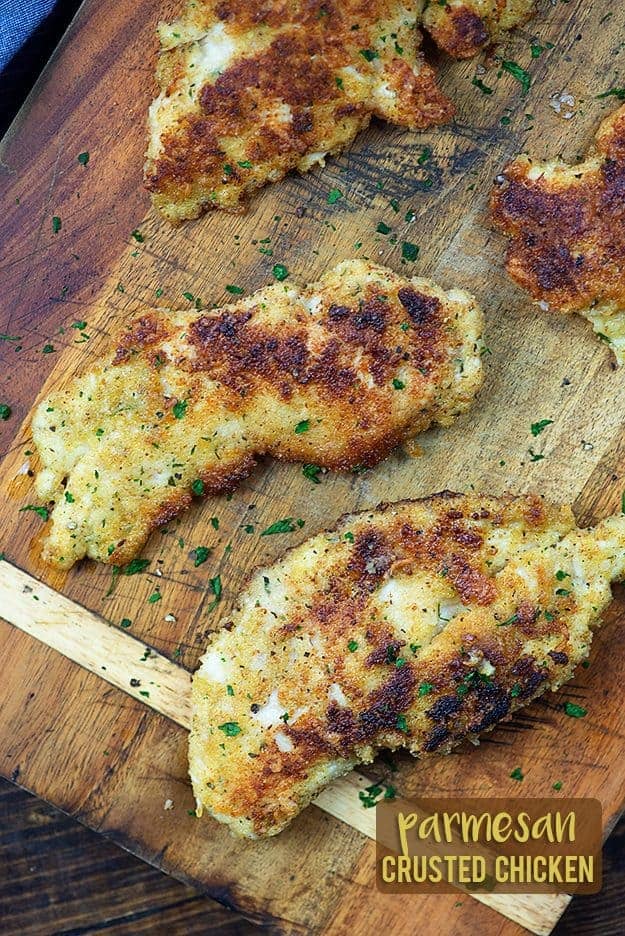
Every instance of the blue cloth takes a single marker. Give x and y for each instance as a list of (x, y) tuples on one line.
[(18, 20)]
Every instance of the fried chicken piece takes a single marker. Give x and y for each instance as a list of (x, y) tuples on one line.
[(251, 89), (465, 27), (415, 625), (566, 226), (337, 374)]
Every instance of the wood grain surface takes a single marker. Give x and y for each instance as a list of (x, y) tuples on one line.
[(57, 877), (100, 755)]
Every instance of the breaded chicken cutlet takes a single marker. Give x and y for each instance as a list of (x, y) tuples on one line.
[(412, 626), (566, 226), (465, 27), (337, 374), (251, 89)]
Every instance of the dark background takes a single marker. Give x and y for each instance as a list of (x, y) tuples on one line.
[(24, 69), (60, 879)]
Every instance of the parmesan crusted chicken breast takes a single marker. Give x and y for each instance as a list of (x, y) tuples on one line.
[(337, 373), (415, 625), (464, 27), (251, 89), (566, 226)]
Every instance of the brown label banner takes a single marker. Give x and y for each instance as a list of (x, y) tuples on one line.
[(496, 846)]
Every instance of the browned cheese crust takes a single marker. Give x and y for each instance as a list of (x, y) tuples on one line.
[(416, 625), (465, 27), (336, 373), (566, 226), (251, 89)]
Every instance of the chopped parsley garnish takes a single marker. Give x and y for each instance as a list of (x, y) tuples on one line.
[(302, 426), (560, 575), (245, 164), (613, 92), (369, 54), (398, 384), (334, 195), (125, 623), (179, 408), (138, 236), (235, 290), (483, 87), (200, 555), (229, 690), (5, 411), (83, 158), (280, 526), (574, 710), (401, 723), (312, 473), (154, 597), (370, 795), (352, 646), (280, 272), (230, 728), (391, 653), (521, 75), (215, 587), (69, 497), (517, 774), (383, 228), (557, 785), (425, 688), (198, 487), (537, 427), (57, 224), (511, 620), (409, 251), (133, 568), (40, 511)]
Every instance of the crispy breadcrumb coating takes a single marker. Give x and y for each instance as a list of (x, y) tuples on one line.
[(337, 374), (414, 625), (566, 226)]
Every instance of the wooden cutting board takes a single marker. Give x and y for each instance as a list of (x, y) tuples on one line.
[(107, 758)]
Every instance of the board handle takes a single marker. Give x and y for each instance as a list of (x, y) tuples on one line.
[(93, 643)]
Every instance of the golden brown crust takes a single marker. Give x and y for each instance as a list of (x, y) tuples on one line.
[(567, 231), (283, 82), (414, 625), (337, 374), (465, 27)]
